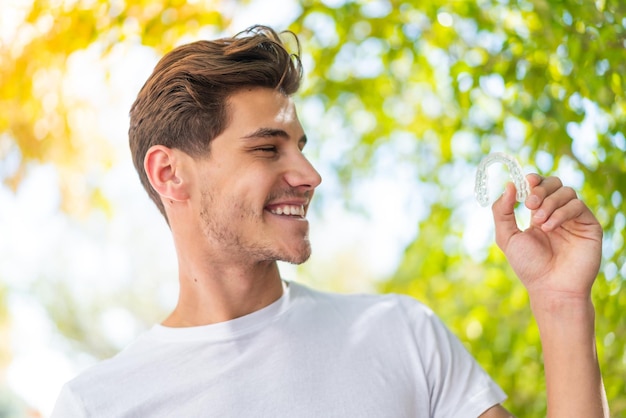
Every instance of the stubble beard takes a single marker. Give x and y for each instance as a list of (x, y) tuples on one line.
[(220, 228)]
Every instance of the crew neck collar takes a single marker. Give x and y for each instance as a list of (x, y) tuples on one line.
[(228, 329)]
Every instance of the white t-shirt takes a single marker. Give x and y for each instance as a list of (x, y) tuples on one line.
[(309, 354)]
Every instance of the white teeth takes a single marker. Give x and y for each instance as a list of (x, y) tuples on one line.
[(288, 210)]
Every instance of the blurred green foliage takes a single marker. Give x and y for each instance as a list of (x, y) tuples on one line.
[(543, 80)]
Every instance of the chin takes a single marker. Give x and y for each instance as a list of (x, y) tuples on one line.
[(297, 257), (296, 261)]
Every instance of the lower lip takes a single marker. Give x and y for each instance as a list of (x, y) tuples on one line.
[(289, 217)]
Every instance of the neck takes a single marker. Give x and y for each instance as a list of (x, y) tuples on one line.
[(212, 293)]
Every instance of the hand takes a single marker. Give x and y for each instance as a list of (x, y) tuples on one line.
[(559, 254)]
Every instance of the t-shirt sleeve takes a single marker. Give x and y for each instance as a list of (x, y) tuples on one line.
[(458, 386), (68, 405)]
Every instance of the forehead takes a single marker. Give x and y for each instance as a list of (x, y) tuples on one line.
[(254, 107)]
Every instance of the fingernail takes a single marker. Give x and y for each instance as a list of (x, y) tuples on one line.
[(540, 214)]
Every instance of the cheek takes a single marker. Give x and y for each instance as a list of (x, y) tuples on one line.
[(250, 186)]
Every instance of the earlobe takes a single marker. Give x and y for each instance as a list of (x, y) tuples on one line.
[(164, 170)]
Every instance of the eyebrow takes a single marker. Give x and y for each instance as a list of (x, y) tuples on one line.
[(271, 133)]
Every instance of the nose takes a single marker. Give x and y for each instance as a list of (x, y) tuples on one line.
[(301, 173)]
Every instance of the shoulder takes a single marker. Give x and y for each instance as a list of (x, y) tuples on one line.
[(99, 383), (302, 291), (402, 309)]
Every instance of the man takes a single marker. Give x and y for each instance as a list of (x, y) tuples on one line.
[(218, 146)]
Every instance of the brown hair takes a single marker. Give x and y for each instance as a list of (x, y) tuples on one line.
[(183, 103)]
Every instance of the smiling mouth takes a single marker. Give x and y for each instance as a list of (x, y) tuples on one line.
[(288, 210)]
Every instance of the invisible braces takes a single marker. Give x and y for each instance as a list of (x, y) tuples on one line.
[(515, 171)]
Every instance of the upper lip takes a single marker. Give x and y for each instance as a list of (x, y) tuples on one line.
[(304, 203), (292, 202)]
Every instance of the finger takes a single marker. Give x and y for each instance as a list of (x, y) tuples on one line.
[(504, 216), (540, 188), (574, 209), (552, 203), (534, 179)]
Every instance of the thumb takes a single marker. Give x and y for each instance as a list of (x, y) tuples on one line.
[(504, 216)]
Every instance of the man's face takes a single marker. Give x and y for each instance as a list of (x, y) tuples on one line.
[(256, 185)]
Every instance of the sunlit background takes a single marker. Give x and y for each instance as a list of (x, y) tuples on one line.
[(400, 102)]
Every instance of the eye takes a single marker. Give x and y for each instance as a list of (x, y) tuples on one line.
[(267, 149)]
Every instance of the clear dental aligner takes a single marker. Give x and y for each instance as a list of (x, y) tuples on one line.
[(515, 171)]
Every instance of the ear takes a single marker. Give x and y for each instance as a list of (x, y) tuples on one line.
[(164, 168)]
